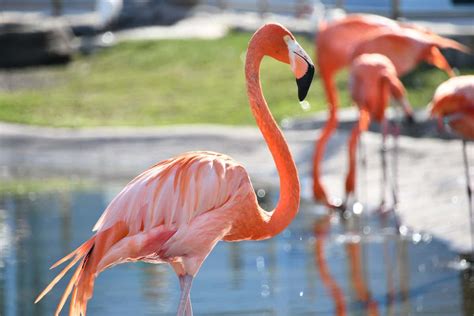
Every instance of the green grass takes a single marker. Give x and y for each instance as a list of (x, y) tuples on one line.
[(171, 82), (24, 186)]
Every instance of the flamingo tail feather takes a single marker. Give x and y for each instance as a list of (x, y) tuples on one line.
[(82, 249), (81, 279)]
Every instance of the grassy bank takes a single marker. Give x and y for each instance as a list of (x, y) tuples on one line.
[(168, 82)]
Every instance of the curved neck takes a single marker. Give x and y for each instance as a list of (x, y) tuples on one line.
[(272, 222)]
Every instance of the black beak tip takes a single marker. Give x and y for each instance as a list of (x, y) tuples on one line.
[(305, 82)]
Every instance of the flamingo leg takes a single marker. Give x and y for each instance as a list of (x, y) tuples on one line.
[(351, 174), (187, 281), (363, 164), (469, 195), (318, 188), (362, 126), (395, 159), (383, 157), (394, 179), (189, 308), (180, 272)]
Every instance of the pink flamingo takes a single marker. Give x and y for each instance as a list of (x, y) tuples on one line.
[(373, 79), (453, 102), (176, 211), (335, 45)]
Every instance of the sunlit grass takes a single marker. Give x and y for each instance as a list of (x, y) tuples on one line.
[(26, 186), (172, 82)]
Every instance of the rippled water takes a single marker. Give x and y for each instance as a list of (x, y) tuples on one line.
[(311, 268)]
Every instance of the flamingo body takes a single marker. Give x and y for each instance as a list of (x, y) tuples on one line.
[(454, 100), (369, 74), (336, 41), (407, 48), (177, 197)]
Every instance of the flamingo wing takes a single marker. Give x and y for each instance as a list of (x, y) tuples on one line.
[(175, 191), (409, 47)]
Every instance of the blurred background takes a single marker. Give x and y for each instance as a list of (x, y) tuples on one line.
[(133, 83), (93, 92)]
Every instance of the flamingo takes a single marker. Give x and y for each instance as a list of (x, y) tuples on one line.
[(176, 211), (373, 79), (333, 55), (453, 102)]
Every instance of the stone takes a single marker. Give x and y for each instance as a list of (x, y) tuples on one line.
[(34, 39)]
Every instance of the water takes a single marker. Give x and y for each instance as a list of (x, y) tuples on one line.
[(311, 268)]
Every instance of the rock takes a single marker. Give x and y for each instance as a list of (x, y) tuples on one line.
[(33, 39)]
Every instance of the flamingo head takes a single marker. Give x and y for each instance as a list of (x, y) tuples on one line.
[(280, 44)]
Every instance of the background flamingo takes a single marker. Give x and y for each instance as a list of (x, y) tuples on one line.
[(176, 211), (335, 44), (373, 79), (453, 102)]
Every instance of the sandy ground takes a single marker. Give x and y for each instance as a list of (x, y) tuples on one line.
[(431, 177)]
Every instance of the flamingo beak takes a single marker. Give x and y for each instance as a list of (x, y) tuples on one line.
[(302, 67), (304, 82)]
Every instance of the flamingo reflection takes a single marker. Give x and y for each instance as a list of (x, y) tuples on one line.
[(321, 228), (358, 282), (359, 285)]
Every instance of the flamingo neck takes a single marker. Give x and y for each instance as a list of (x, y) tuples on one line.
[(273, 222)]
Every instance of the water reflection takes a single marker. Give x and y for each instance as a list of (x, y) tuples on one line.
[(313, 267), (321, 230)]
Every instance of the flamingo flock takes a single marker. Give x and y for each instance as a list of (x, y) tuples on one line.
[(340, 42), (178, 210)]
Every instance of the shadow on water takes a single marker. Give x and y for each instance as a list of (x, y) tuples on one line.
[(313, 267)]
